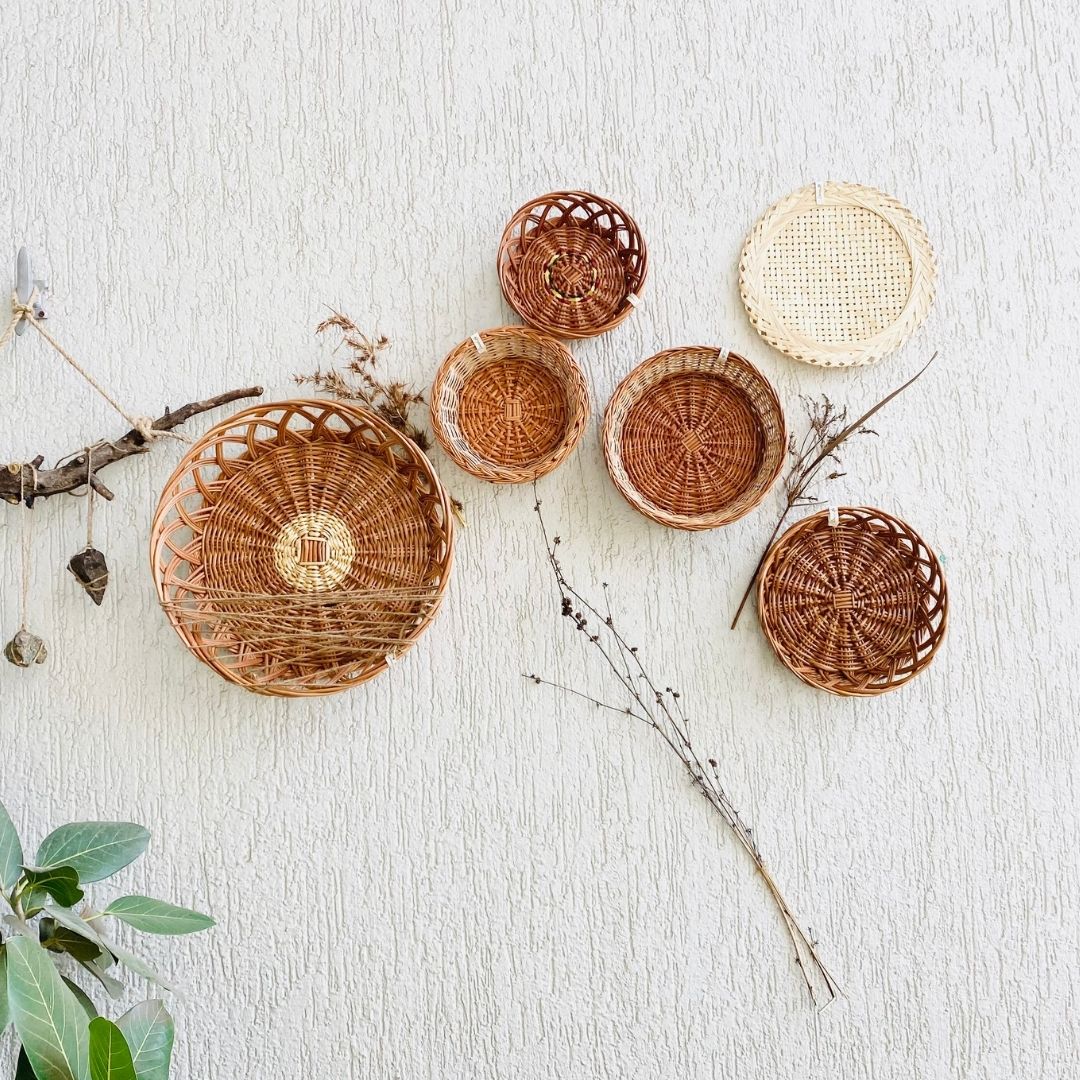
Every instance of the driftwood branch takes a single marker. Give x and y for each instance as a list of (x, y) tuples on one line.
[(71, 475)]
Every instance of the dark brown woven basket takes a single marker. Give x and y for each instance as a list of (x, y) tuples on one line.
[(572, 264), (694, 437), (509, 404), (858, 607)]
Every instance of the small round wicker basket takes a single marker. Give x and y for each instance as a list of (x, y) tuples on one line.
[(857, 608), (572, 264), (509, 404), (299, 547), (694, 437), (837, 274)]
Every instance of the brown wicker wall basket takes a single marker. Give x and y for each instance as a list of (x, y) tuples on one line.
[(301, 546), (837, 274), (509, 404), (694, 437), (858, 607), (572, 264)]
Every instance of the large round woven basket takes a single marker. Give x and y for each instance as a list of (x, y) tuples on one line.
[(572, 264), (837, 274), (694, 437), (301, 546), (857, 607), (509, 404)]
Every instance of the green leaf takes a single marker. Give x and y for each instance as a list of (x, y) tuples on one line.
[(133, 963), (59, 882), (50, 1021), (156, 916), (81, 997), (110, 1056), (11, 855), (95, 849), (5, 1012), (148, 1029), (113, 987), (76, 924), (75, 945)]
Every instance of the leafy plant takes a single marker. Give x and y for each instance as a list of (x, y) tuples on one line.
[(61, 1034)]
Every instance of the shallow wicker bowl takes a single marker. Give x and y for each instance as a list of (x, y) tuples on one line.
[(856, 608), (572, 264), (694, 437), (837, 274), (509, 404), (301, 546)]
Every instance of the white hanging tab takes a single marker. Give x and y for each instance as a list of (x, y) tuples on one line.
[(834, 515), (634, 300), (724, 353), (819, 192), (24, 286), (478, 341)]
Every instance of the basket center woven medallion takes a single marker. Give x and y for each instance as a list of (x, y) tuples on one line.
[(571, 276), (693, 445), (300, 546), (857, 274)]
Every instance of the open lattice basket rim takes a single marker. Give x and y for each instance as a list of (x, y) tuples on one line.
[(519, 391), (302, 546), (857, 606), (765, 265), (742, 473), (572, 264)]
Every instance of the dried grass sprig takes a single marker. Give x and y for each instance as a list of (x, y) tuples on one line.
[(827, 430), (662, 711)]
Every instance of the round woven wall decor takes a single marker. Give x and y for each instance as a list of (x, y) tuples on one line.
[(694, 437), (837, 274), (572, 264), (301, 546), (509, 404), (856, 608)]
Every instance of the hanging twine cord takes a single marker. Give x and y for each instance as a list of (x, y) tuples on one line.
[(144, 425), (24, 591), (89, 497)]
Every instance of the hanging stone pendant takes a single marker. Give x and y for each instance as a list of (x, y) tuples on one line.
[(25, 649), (91, 572)]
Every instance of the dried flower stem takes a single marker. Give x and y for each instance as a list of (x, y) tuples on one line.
[(662, 711), (827, 431)]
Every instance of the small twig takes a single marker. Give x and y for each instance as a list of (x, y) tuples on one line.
[(663, 712), (823, 438), (72, 475)]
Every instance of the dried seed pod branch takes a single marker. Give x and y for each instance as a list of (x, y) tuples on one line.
[(826, 432), (662, 711)]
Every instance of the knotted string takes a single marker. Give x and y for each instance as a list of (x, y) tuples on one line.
[(144, 425)]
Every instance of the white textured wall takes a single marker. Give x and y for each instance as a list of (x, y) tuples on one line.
[(449, 873)]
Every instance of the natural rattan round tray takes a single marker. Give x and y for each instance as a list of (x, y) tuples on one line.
[(856, 608), (694, 437), (509, 404), (572, 264), (837, 274), (300, 546)]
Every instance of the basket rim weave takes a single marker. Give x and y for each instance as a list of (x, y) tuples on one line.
[(633, 254), (247, 429), (695, 359), (770, 323), (919, 622), (509, 346)]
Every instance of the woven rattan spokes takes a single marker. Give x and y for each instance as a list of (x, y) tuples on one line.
[(572, 264), (694, 437), (300, 546), (856, 608), (509, 404), (837, 274)]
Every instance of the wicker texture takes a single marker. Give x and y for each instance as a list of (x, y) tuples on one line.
[(300, 546), (857, 608), (572, 264), (839, 282), (512, 411), (693, 438)]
